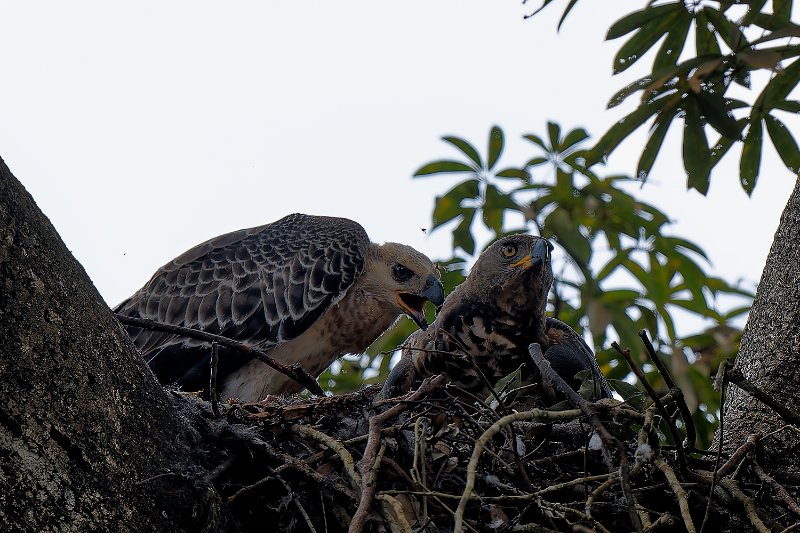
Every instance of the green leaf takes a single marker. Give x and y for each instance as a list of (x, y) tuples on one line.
[(637, 19), (699, 307), (554, 133), (782, 10), (721, 147), (654, 81), (466, 148), (495, 146), (653, 146), (751, 155), (448, 206), (537, 161), (507, 387), (673, 45), (736, 311), (696, 156), (784, 143), (518, 173), (780, 86), (619, 131), (535, 139), (565, 14), (753, 10), (792, 106), (558, 224), (494, 205), (632, 395), (438, 167), (643, 40), (612, 265), (462, 236), (728, 30), (705, 39), (714, 109), (574, 137)]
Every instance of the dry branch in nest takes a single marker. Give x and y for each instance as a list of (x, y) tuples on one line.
[(441, 459)]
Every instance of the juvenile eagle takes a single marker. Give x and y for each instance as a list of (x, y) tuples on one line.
[(308, 289), (487, 323)]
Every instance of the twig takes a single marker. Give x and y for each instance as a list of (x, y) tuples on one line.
[(373, 442), (300, 467), (399, 521), (720, 381), (569, 510), (665, 520), (738, 456), (336, 446), (598, 491), (736, 377), (295, 372), (657, 400), (749, 506), (777, 487), (296, 501), (494, 429), (212, 379), (683, 503), (686, 414)]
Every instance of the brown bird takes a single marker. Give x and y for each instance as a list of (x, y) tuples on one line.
[(487, 323), (308, 289)]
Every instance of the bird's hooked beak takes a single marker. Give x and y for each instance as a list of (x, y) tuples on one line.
[(540, 254), (413, 304)]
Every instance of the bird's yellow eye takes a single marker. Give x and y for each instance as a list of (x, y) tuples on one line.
[(509, 250)]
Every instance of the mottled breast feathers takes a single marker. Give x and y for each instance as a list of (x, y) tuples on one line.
[(486, 324)]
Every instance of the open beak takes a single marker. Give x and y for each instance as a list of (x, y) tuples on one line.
[(540, 254), (413, 305)]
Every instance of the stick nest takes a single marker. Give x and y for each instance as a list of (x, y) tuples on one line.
[(440, 459)]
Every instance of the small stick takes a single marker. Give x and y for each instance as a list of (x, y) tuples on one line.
[(720, 381), (336, 446), (657, 400), (399, 521), (212, 379), (686, 414), (738, 456), (777, 487), (749, 506), (683, 503), (295, 372), (665, 520), (494, 429), (598, 491), (369, 458), (790, 416)]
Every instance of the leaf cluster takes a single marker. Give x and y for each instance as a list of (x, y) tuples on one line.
[(618, 270), (731, 41)]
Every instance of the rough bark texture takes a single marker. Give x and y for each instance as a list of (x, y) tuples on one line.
[(88, 439), (770, 349)]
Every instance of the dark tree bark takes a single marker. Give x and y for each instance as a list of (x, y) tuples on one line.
[(770, 350), (88, 439)]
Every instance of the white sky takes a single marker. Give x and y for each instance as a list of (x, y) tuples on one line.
[(145, 128)]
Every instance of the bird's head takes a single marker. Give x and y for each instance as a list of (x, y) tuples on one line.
[(405, 279), (517, 266)]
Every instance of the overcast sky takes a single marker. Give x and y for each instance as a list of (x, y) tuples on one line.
[(142, 129)]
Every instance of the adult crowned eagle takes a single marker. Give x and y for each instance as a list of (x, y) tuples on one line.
[(308, 289), (487, 323)]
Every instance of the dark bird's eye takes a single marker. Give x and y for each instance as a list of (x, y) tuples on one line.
[(509, 250), (402, 273)]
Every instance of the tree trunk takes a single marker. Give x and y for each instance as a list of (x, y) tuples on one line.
[(88, 439), (770, 351)]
